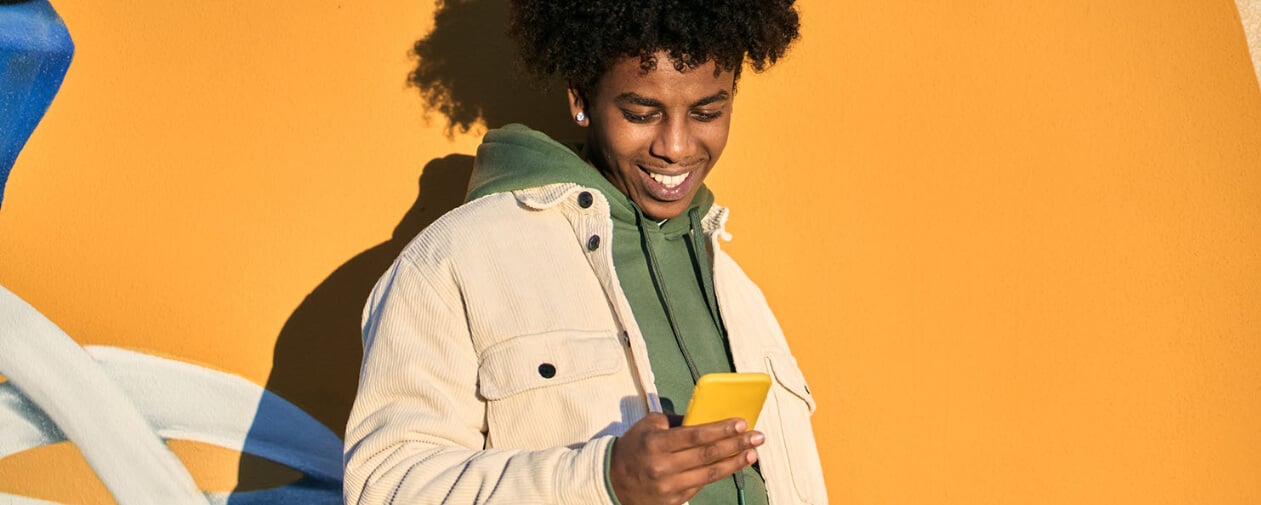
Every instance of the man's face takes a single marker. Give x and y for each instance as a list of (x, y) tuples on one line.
[(656, 134)]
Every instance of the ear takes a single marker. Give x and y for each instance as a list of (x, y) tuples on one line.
[(578, 105)]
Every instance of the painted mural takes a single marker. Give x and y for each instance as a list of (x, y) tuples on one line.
[(121, 407), (1250, 15), (35, 49)]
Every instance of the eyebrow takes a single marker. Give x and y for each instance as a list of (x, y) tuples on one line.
[(637, 99)]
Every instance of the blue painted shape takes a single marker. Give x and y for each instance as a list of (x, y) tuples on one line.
[(35, 51)]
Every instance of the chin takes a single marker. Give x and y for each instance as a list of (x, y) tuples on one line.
[(664, 210)]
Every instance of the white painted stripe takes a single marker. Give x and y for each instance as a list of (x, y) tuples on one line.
[(1250, 14), (179, 401), (53, 372)]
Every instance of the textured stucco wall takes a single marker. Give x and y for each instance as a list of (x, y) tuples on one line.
[(1250, 13)]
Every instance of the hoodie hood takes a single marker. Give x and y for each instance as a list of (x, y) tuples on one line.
[(516, 157)]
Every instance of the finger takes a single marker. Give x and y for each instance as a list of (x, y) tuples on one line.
[(687, 437), (721, 469), (647, 432), (708, 454), (654, 421), (673, 463)]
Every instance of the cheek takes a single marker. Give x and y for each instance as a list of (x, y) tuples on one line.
[(627, 145), (715, 140), (609, 140)]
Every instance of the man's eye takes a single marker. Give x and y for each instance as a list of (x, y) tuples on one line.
[(636, 118), (701, 115)]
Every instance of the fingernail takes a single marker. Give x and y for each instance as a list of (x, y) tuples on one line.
[(757, 438), (741, 426), (751, 457)]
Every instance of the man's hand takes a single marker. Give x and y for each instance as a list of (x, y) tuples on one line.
[(655, 464)]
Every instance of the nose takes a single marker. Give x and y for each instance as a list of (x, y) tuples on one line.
[(673, 142)]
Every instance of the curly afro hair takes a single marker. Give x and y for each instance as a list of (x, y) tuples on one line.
[(578, 40)]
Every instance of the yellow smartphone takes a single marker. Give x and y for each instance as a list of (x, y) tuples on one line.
[(721, 396)]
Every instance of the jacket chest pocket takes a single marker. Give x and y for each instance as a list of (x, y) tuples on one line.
[(551, 389), (794, 444)]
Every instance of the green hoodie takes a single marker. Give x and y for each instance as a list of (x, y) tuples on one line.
[(663, 269)]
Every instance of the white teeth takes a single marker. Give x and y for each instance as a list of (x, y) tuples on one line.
[(669, 181)]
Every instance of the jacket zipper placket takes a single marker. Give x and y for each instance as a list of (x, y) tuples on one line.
[(634, 339)]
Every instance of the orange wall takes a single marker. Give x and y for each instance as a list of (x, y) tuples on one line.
[(1014, 245)]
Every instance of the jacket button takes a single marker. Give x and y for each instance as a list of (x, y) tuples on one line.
[(593, 243), (547, 370), (584, 199)]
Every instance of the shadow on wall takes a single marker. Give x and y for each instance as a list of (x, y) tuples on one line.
[(467, 72)]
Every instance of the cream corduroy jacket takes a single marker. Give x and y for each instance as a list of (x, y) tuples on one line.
[(454, 403)]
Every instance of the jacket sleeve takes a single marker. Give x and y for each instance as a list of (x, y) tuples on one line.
[(417, 432)]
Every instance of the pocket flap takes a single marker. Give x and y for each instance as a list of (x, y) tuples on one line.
[(786, 372), (547, 359)]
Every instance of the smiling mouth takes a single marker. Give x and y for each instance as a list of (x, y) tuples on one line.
[(667, 180)]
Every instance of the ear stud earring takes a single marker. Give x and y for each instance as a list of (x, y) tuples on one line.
[(580, 117)]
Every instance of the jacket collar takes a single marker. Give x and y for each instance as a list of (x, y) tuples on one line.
[(551, 195)]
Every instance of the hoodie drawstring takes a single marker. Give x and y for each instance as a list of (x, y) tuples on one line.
[(657, 280), (707, 274), (707, 280)]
